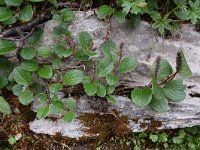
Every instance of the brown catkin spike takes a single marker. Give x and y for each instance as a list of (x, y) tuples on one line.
[(158, 59), (178, 61)]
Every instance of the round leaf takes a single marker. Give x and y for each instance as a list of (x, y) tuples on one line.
[(104, 11), (159, 105), (13, 2), (54, 88), (36, 88), (42, 97), (61, 51), (45, 72), (56, 106), (26, 13), (16, 89), (73, 77), (5, 13), (174, 90), (28, 53), (71, 103), (128, 64), (67, 15), (101, 90), (26, 97), (45, 51), (21, 76), (3, 81), (112, 79), (30, 65), (42, 112), (4, 106), (69, 116), (90, 88), (35, 37), (141, 97), (7, 46), (164, 70), (183, 69), (104, 66)]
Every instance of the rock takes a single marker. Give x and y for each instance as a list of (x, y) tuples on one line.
[(145, 46)]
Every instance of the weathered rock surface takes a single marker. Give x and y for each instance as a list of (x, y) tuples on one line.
[(139, 43)]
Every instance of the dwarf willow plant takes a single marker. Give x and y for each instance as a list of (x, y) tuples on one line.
[(12, 11), (177, 12), (31, 79)]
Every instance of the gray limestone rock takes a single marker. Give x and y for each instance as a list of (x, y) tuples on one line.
[(145, 45)]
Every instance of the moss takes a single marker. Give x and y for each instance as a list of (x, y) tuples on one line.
[(105, 125)]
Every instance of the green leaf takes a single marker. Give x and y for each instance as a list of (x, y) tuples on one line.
[(120, 16), (45, 72), (159, 102), (42, 97), (153, 138), (16, 89), (85, 41), (10, 20), (61, 51), (159, 105), (26, 13), (157, 90), (141, 97), (104, 66), (3, 81), (35, 0), (110, 89), (81, 56), (7, 46), (26, 97), (182, 15), (179, 2), (67, 15), (12, 140), (69, 116), (56, 63), (5, 13), (36, 88), (42, 112), (45, 51), (128, 64), (21, 76), (13, 2), (30, 66), (112, 79), (71, 103), (35, 37), (57, 106), (105, 11), (165, 69), (101, 90), (53, 2), (110, 49), (73, 77), (174, 90), (111, 99), (183, 68), (60, 31), (28, 53), (54, 88), (90, 88), (4, 106)]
